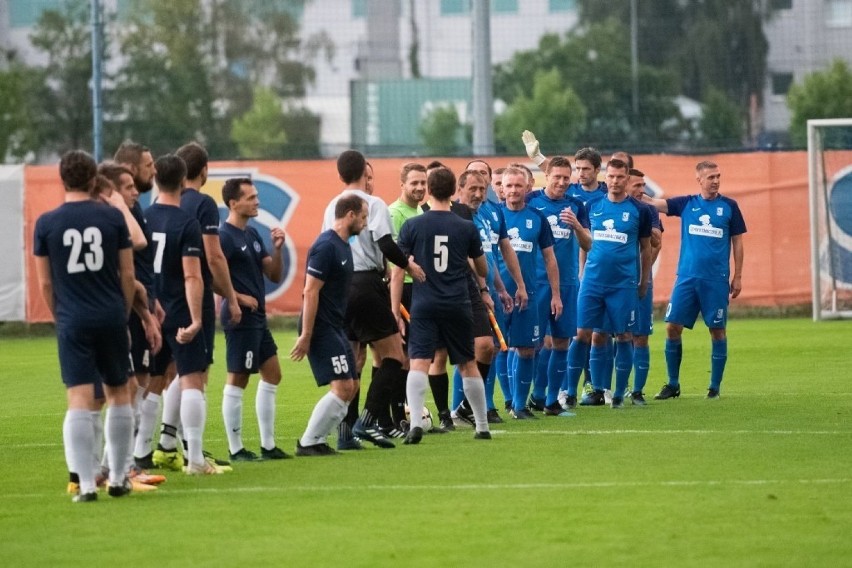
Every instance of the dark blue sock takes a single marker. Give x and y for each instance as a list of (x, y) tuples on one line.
[(541, 376), (458, 389), (578, 354), (490, 382), (641, 364), (555, 375), (610, 363), (597, 365), (523, 380), (718, 358), (623, 366), (502, 366), (674, 354)]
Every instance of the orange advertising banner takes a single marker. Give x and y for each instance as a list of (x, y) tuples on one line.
[(771, 189)]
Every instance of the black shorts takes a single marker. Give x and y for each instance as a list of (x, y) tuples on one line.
[(88, 355), (208, 327), (140, 350), (481, 322), (452, 331), (406, 302), (188, 358), (246, 350), (330, 356), (368, 315)]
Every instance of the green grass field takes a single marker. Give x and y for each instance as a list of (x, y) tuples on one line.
[(761, 477)]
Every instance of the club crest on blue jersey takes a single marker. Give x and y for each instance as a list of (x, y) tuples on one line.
[(277, 203)]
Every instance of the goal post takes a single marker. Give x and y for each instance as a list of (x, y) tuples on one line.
[(830, 192)]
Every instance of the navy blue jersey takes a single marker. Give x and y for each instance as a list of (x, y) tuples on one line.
[(441, 243), (565, 245), (204, 210), (705, 235), (82, 240), (143, 260), (616, 228), (244, 251), (330, 260), (174, 234)]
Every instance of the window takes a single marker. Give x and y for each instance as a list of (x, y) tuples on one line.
[(454, 7), (25, 13), (504, 6), (838, 13), (781, 83), (562, 5), (359, 8)]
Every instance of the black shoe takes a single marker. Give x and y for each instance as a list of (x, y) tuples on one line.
[(556, 409), (216, 461), (482, 436), (120, 490), (445, 421), (594, 398), (394, 431), (638, 398), (667, 392), (275, 453), (85, 497), (493, 417), (465, 414), (712, 394), (414, 436), (244, 455), (571, 401), (535, 404), (371, 433), (617, 402), (508, 405), (314, 450), (349, 444), (145, 463), (523, 414)]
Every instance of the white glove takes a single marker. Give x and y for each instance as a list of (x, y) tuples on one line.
[(532, 147)]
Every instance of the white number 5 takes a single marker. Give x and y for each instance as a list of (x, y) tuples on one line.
[(442, 254)]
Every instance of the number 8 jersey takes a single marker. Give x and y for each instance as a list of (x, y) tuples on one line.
[(82, 239)]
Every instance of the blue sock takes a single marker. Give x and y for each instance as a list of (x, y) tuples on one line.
[(674, 354), (523, 379), (641, 364), (541, 377), (610, 363), (597, 366), (555, 375), (718, 358), (578, 354), (502, 366), (623, 366), (490, 382), (458, 390)]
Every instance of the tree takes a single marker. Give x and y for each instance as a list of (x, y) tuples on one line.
[(20, 132), (554, 113), (721, 123), (260, 133), (441, 131), (823, 94)]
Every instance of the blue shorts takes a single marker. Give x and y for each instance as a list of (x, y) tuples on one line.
[(330, 356), (246, 350), (523, 326), (645, 314), (451, 331), (189, 358), (88, 355), (208, 326), (606, 308), (691, 295), (566, 326)]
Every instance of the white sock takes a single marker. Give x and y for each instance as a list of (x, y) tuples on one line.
[(327, 414), (79, 440), (119, 432), (193, 415), (232, 413), (171, 414), (264, 405), (474, 390), (137, 404), (148, 411), (415, 393), (99, 458)]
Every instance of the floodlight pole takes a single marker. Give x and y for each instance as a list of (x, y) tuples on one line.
[(634, 58), (97, 62), (483, 98)]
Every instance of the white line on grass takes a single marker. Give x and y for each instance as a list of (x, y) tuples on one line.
[(474, 486)]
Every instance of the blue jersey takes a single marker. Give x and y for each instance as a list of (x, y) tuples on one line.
[(616, 228), (330, 260), (441, 242), (706, 231), (175, 234), (204, 210), (529, 233), (493, 213), (143, 260), (244, 252), (565, 245), (82, 240), (587, 197)]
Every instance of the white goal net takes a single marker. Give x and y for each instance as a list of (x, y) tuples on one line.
[(830, 181)]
